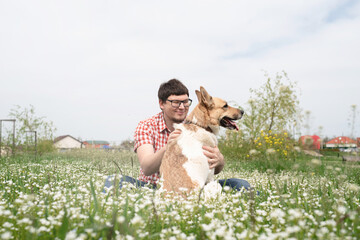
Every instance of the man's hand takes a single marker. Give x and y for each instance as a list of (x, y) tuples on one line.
[(215, 158), (173, 135)]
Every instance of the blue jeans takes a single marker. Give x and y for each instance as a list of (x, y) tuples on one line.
[(234, 183), (126, 179)]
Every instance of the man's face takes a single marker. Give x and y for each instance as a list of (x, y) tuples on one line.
[(173, 109)]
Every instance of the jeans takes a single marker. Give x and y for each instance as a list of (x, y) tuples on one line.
[(235, 183), (126, 179)]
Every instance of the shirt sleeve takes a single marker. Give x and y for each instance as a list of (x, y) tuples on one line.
[(144, 134)]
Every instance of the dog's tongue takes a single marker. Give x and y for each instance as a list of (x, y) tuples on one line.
[(232, 123), (235, 125)]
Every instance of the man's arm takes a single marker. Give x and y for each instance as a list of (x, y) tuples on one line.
[(149, 161)]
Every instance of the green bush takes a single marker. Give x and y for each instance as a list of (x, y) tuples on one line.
[(45, 146), (270, 146)]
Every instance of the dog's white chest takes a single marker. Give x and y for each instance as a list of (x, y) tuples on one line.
[(191, 142)]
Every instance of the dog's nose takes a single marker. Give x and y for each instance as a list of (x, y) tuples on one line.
[(242, 112)]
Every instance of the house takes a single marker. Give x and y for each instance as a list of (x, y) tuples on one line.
[(5, 151), (96, 144), (67, 142), (341, 142), (311, 142)]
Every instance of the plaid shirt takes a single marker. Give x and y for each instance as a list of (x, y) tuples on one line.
[(151, 131)]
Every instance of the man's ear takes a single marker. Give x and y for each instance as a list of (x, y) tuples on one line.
[(204, 97), (161, 104)]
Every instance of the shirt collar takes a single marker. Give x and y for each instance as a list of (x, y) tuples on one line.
[(162, 124)]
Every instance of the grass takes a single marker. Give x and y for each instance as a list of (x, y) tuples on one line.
[(60, 196)]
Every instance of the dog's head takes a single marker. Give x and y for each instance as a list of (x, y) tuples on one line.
[(214, 112)]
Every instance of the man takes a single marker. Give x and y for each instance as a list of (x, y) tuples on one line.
[(152, 135)]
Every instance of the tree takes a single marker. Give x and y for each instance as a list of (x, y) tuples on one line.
[(250, 124), (127, 145), (307, 124), (352, 120), (272, 107), (271, 115), (26, 125), (320, 131)]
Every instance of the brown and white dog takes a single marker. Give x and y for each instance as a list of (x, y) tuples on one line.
[(184, 166)]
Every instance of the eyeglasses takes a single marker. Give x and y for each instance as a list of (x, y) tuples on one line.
[(177, 103)]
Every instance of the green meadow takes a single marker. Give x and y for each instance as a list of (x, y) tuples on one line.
[(60, 196)]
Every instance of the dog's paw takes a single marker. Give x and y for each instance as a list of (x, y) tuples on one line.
[(212, 190)]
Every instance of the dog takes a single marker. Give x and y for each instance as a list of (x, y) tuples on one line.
[(184, 167)]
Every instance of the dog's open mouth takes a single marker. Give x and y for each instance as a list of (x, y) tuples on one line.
[(228, 123)]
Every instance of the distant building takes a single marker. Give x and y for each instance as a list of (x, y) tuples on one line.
[(67, 142), (310, 142), (341, 142), (96, 144), (5, 151)]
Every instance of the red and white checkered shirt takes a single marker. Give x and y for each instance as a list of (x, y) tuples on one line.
[(151, 131)]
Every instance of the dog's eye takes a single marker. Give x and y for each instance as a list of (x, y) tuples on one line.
[(225, 106)]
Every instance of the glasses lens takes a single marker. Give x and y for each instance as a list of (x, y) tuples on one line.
[(177, 103)]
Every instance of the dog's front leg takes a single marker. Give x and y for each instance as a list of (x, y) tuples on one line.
[(210, 176)]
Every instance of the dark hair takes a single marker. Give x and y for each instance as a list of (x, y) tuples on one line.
[(171, 87)]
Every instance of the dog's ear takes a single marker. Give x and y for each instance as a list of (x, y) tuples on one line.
[(198, 95), (204, 97)]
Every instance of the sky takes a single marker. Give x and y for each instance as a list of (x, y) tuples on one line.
[(93, 68)]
